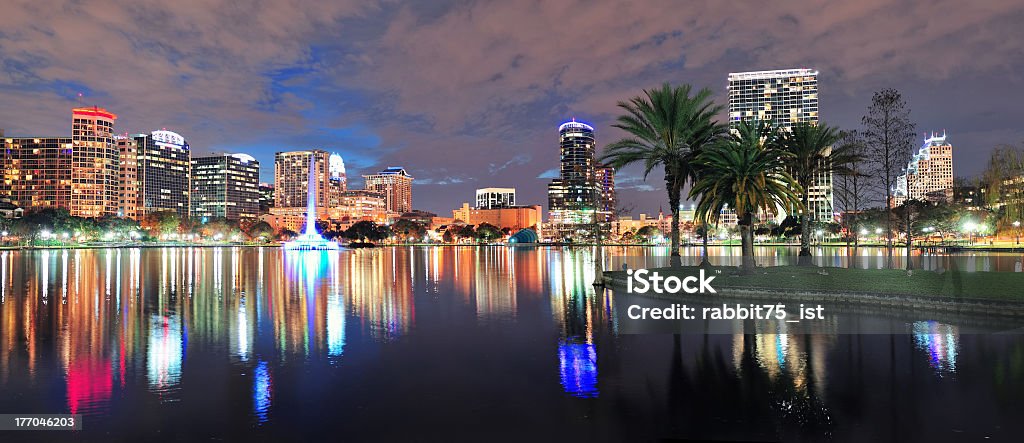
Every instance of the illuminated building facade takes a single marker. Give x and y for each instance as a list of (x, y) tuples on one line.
[(929, 175), (360, 204), (490, 198), (578, 193), (164, 163), (37, 172), (128, 175), (514, 217), (95, 163), (396, 185), (785, 97), (291, 178), (226, 186)]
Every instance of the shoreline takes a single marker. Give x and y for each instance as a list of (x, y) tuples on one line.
[(616, 280)]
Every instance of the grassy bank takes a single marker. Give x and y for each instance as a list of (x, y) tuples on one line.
[(1003, 286)]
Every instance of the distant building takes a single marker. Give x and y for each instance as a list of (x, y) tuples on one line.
[(514, 218), (396, 185), (128, 175), (10, 210), (95, 163), (266, 197), (579, 192), (360, 204), (337, 180), (37, 172), (291, 179), (786, 97), (929, 174), (490, 198), (225, 186), (164, 168)]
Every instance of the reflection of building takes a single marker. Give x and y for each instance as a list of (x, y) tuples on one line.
[(786, 97), (929, 175), (164, 163), (395, 184), (582, 187), (225, 186), (495, 283), (95, 163), (514, 218), (490, 198)]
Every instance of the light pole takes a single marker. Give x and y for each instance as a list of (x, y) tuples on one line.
[(970, 227)]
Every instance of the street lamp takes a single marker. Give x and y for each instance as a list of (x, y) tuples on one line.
[(970, 227), (1016, 227)]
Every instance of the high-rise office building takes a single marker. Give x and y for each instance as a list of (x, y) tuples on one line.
[(291, 179), (37, 172), (396, 185), (266, 197), (226, 186), (164, 163), (786, 97), (491, 198), (95, 163), (576, 196), (337, 180), (929, 175), (605, 177), (128, 176)]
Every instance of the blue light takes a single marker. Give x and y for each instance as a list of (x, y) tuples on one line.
[(261, 391), (578, 368)]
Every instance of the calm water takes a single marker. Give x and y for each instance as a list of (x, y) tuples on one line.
[(452, 343)]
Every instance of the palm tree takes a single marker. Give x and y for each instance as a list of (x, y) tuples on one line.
[(667, 128), (811, 155), (745, 171)]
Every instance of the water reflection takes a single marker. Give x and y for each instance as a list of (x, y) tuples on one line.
[(417, 332), (941, 342)]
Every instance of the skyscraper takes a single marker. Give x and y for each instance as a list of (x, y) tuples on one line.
[(37, 172), (929, 175), (164, 163), (490, 198), (291, 180), (95, 163), (128, 175), (576, 194), (396, 185), (226, 186), (785, 97)]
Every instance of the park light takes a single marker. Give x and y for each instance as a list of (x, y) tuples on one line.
[(970, 226), (1016, 224), (878, 230), (819, 232), (4, 233), (65, 235), (44, 233), (863, 231)]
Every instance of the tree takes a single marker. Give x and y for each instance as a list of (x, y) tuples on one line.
[(888, 134), (746, 172), (648, 233), (1003, 179), (406, 229), (366, 230), (486, 232), (811, 154), (667, 128), (161, 223), (260, 229), (849, 186)]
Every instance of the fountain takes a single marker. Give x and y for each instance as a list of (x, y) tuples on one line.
[(310, 240)]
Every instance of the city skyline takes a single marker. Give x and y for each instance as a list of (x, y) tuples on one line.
[(407, 81)]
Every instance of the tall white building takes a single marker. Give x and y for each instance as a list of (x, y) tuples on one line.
[(491, 198), (787, 97), (929, 174)]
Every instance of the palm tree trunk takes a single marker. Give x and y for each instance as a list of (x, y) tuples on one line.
[(805, 231), (674, 191), (747, 243), (704, 246)]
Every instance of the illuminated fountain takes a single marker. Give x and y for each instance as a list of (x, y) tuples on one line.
[(310, 240)]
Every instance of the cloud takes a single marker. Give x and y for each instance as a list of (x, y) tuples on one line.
[(470, 93)]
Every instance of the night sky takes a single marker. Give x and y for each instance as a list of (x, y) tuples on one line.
[(469, 94)]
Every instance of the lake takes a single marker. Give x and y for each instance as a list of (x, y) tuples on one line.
[(461, 343)]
